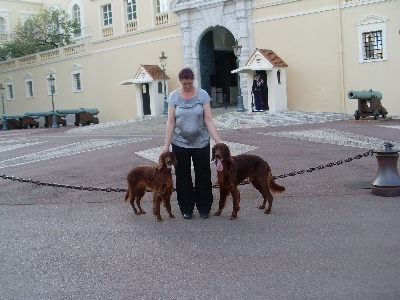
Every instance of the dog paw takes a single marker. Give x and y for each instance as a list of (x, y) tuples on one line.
[(233, 217), (136, 212), (159, 219), (261, 206), (267, 211), (171, 216), (217, 213)]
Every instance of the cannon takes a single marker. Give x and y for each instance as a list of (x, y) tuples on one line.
[(83, 116), (369, 104), (48, 117), (24, 121)]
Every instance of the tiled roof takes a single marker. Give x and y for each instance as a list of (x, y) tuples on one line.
[(271, 56), (154, 71)]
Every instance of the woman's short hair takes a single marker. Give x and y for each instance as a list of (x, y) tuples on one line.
[(186, 73)]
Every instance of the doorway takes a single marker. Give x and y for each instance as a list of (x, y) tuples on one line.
[(217, 60), (146, 99)]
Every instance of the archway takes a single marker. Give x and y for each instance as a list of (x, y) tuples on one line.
[(217, 60)]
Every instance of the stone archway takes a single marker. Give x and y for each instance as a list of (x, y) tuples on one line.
[(197, 18)]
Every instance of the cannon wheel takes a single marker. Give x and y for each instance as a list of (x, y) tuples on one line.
[(376, 114), (357, 115)]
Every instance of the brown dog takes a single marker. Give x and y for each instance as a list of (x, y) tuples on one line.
[(232, 170), (158, 178)]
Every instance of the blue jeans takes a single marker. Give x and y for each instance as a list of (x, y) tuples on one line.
[(199, 195)]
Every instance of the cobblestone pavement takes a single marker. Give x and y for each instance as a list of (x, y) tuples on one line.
[(327, 237)]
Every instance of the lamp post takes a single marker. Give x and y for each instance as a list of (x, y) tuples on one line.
[(163, 62), (2, 102), (51, 80), (236, 50)]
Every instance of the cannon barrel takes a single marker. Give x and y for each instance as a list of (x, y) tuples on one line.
[(364, 95), (10, 116), (44, 114), (93, 111)]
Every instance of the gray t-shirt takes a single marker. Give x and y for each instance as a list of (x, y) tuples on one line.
[(190, 130)]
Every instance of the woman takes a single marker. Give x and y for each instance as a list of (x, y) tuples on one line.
[(189, 127)]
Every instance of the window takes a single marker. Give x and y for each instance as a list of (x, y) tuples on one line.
[(162, 6), (29, 89), (160, 90), (29, 92), (76, 76), (76, 15), (107, 15), (9, 88), (372, 39), (77, 82), (131, 16), (10, 92), (372, 44), (131, 10)]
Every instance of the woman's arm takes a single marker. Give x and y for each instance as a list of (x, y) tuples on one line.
[(170, 127), (208, 119)]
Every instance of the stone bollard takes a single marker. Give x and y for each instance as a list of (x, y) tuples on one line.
[(387, 182)]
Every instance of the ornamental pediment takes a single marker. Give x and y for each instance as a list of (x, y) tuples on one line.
[(371, 19)]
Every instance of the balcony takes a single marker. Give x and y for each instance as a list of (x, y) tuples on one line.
[(131, 26), (51, 55), (162, 19)]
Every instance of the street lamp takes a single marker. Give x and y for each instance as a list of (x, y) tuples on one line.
[(2, 102), (51, 80), (163, 61), (236, 50)]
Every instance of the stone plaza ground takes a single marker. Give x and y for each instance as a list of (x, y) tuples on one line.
[(327, 237)]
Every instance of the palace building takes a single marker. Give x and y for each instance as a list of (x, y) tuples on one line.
[(310, 53)]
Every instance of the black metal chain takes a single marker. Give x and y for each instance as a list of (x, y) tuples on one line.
[(98, 189)]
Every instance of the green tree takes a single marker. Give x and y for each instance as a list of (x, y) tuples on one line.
[(46, 30)]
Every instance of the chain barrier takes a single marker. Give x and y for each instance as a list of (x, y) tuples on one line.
[(99, 189)]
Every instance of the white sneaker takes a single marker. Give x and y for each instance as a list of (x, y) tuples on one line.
[(261, 110), (256, 110)]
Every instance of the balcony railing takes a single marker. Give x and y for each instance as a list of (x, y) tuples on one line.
[(131, 26), (3, 38), (107, 32), (51, 55), (162, 19)]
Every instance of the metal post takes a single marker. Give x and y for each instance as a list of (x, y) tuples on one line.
[(236, 50), (163, 61), (51, 79), (240, 107), (2, 102)]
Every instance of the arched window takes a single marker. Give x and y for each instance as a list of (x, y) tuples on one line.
[(278, 75), (76, 15), (160, 90)]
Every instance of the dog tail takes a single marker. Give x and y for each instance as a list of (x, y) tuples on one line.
[(275, 188), (128, 193)]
